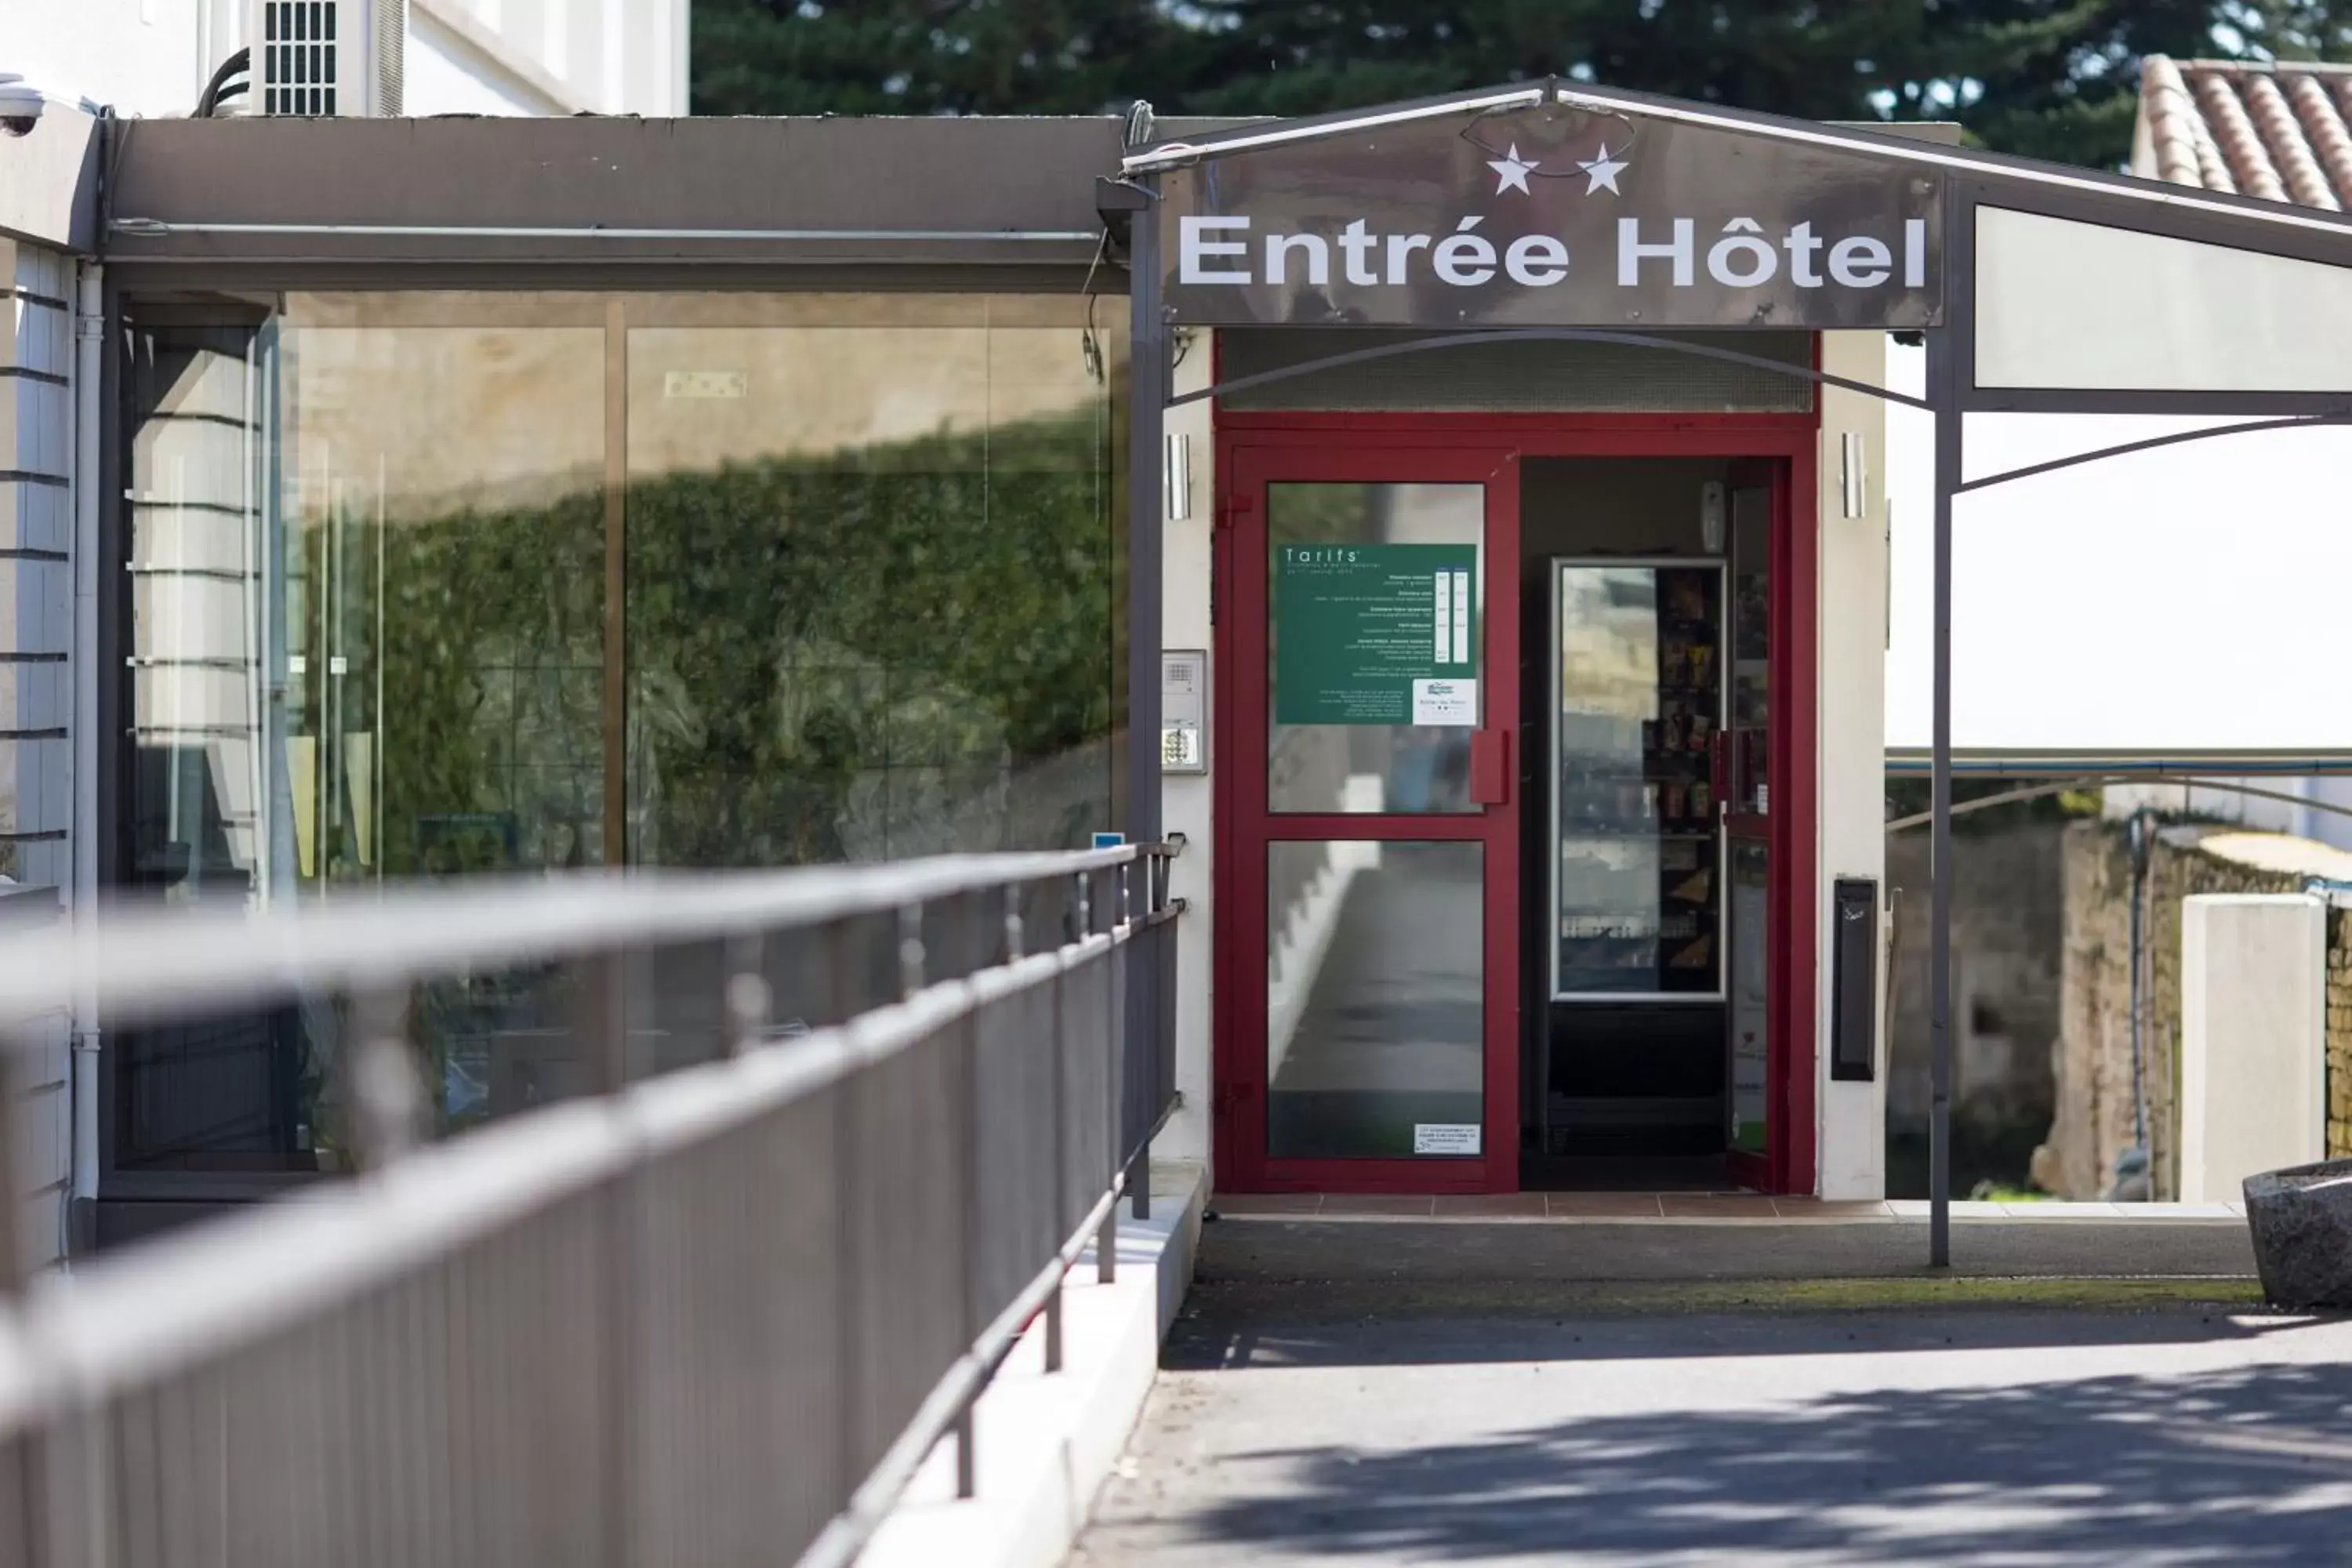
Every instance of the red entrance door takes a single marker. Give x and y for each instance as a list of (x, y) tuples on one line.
[(1371, 985)]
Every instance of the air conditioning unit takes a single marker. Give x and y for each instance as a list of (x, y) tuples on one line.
[(320, 57)]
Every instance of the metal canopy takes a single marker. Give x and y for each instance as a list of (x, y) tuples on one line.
[(2112, 294)]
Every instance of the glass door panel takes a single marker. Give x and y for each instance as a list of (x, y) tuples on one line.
[(1746, 772), (1638, 697), (1374, 645), (1375, 998), (1374, 699), (1751, 780), (1751, 1014)]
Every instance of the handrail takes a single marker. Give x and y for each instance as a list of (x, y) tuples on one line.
[(633, 1188), (141, 959)]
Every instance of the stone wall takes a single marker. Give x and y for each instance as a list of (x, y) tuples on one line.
[(2339, 1032), (2096, 1117), (2005, 1000), (2007, 912)]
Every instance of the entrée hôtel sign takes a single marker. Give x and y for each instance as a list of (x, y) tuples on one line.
[(1534, 222)]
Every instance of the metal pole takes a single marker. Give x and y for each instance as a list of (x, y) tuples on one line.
[(1147, 460), (1147, 401), (965, 1480), (1949, 350)]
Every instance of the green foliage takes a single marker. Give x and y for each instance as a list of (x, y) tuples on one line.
[(920, 619), (924, 608), (2054, 78)]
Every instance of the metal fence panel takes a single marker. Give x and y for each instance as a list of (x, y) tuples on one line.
[(739, 1385), (1086, 1037), (712, 1319), (905, 1269), (1018, 1134)]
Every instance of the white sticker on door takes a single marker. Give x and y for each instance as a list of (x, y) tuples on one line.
[(1446, 1138), (1453, 703)]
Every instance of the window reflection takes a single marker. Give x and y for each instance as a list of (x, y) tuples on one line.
[(873, 563), (871, 586)]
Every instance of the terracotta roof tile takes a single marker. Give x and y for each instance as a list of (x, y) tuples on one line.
[(2242, 145), (2282, 132), (2331, 139)]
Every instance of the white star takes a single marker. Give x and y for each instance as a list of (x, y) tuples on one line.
[(1603, 170), (1511, 172)]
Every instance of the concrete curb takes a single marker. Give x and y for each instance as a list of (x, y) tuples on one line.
[(1045, 1444), (1456, 1251)]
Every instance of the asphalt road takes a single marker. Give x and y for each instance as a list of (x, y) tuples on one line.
[(2173, 1434)]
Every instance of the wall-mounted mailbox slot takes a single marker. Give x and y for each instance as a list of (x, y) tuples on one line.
[(1854, 996)]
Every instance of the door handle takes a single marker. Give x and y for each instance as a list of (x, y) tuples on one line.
[(1490, 767)]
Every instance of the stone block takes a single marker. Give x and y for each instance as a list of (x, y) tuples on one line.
[(2302, 1222)]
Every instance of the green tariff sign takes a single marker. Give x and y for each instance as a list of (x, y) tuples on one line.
[(1376, 634)]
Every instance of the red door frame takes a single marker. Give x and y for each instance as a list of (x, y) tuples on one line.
[(1245, 823), (1370, 447)]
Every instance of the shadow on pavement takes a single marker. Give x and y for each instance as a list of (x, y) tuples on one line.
[(2249, 1467)]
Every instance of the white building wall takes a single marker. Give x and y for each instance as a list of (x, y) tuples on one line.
[(36, 633), (1851, 840), (1187, 561), (153, 58), (143, 56)]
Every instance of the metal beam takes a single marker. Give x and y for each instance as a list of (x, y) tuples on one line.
[(1543, 334)]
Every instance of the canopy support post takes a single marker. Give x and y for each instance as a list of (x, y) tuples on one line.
[(1951, 370), (1148, 379)]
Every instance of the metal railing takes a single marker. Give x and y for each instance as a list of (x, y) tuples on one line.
[(714, 1316)]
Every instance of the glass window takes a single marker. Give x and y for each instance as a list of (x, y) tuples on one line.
[(1375, 644), (873, 592), (1639, 693), (1375, 999), (873, 558)]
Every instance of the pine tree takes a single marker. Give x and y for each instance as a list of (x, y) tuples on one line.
[(2054, 78)]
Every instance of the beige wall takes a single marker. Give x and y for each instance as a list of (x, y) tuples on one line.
[(1851, 837), (1185, 566)]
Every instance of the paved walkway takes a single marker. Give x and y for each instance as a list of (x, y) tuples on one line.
[(1306, 1431)]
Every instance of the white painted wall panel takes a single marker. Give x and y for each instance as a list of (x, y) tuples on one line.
[(2156, 606), (2253, 1040), (1852, 842), (2066, 304)]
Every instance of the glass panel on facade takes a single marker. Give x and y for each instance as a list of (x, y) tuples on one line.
[(874, 560), (873, 593), (1375, 644), (443, 598), (1375, 999)]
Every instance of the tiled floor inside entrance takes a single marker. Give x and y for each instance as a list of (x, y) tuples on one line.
[(1606, 1207)]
